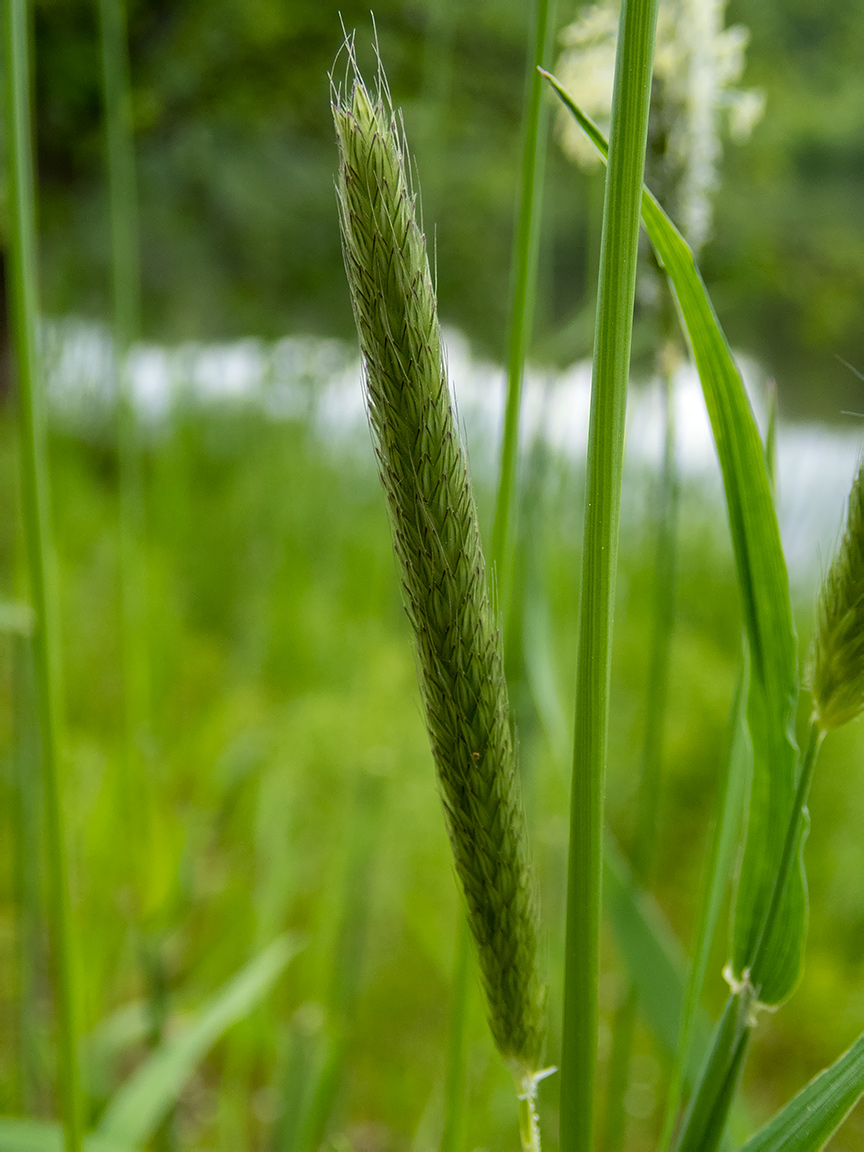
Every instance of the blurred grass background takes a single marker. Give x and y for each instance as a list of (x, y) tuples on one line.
[(288, 779)]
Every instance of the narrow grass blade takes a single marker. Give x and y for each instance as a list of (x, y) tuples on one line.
[(20, 1135), (811, 1118), (135, 1111), (126, 289), (616, 291), (122, 189), (27, 822), (524, 277), (704, 1122), (764, 586), (40, 558), (650, 774)]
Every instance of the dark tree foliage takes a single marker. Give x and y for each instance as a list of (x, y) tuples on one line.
[(236, 164)]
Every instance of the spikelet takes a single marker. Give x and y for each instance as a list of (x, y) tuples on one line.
[(837, 664), (424, 472)]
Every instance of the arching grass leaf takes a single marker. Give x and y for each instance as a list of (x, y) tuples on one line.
[(764, 587), (138, 1106), (811, 1118)]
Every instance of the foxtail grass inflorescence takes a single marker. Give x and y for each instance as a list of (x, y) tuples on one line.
[(424, 472), (837, 665)]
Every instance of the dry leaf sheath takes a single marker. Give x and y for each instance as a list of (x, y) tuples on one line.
[(424, 471)]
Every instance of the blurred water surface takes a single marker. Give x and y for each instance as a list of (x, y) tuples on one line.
[(320, 380)]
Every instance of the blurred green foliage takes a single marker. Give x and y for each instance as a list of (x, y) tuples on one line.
[(290, 786), (288, 779), (236, 163)]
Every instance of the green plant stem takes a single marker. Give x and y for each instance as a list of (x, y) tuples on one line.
[(524, 279), (120, 154), (652, 747), (529, 1126), (791, 846), (705, 1119), (36, 510), (26, 818), (126, 278), (602, 508)]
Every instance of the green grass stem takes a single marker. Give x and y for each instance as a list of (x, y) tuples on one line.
[(39, 547), (662, 618), (617, 283), (126, 291), (457, 1054), (27, 804), (791, 848), (523, 280), (705, 1120), (122, 186)]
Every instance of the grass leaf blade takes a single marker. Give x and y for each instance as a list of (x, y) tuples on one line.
[(136, 1109), (36, 506), (764, 586), (811, 1118)]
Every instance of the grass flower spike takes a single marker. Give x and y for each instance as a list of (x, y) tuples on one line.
[(837, 673), (424, 471)]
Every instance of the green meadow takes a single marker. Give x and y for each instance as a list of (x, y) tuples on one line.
[(229, 913)]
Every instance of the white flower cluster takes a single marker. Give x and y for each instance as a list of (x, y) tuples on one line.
[(697, 66)]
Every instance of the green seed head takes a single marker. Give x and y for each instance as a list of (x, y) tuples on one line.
[(837, 663), (424, 472)]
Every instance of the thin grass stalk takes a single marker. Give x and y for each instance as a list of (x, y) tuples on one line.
[(27, 802), (457, 1051), (126, 290), (39, 546), (705, 1119), (616, 292), (791, 844), (663, 612), (523, 282)]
